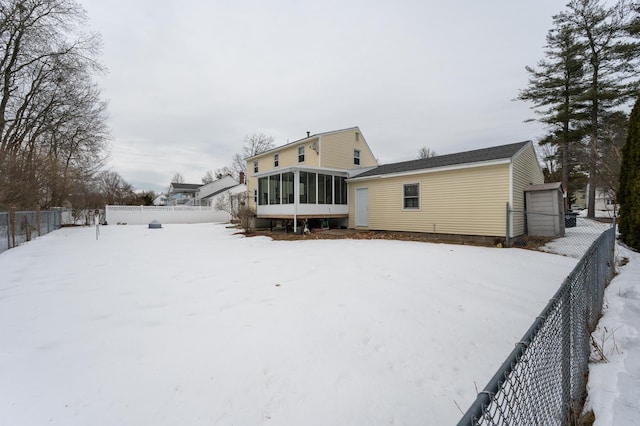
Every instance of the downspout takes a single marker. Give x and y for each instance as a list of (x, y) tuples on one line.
[(509, 228), (296, 198)]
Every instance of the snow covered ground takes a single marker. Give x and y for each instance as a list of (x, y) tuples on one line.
[(614, 385), (191, 324)]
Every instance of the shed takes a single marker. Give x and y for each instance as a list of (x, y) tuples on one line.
[(545, 210)]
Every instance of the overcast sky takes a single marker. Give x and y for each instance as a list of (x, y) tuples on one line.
[(188, 80)]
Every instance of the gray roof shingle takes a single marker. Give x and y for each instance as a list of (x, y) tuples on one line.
[(467, 157)]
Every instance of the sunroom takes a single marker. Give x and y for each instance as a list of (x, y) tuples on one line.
[(297, 193)]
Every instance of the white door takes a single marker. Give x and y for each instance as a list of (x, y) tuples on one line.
[(362, 207)]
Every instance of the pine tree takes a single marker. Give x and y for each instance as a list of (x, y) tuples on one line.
[(556, 87), (611, 62), (629, 190)]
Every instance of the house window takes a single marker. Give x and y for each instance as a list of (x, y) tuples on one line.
[(357, 137), (325, 189), (301, 154), (411, 196), (287, 188), (263, 191), (274, 189), (339, 190), (307, 188), (356, 157), (276, 160), (255, 166)]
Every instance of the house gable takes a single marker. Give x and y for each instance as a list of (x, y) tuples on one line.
[(331, 150)]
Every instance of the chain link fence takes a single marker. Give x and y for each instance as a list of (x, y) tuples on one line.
[(569, 234), (18, 227), (543, 380)]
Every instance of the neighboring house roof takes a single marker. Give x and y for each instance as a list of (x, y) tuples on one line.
[(179, 187), (467, 157), (213, 194)]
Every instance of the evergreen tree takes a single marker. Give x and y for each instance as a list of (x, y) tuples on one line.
[(612, 65), (556, 87), (629, 190)]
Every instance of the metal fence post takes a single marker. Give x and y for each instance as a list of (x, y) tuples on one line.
[(38, 221), (8, 221), (12, 226)]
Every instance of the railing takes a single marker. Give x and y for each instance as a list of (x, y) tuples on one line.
[(543, 380), (18, 227)]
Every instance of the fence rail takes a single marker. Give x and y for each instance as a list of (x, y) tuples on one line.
[(543, 380), (18, 227), (142, 215)]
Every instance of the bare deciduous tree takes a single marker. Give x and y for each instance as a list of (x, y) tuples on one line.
[(222, 172), (237, 207), (426, 152), (114, 189), (613, 137), (52, 122), (177, 178), (208, 177), (254, 144)]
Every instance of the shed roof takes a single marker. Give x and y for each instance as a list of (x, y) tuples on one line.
[(467, 157), (544, 187)]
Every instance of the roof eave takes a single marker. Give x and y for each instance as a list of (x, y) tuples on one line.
[(433, 169)]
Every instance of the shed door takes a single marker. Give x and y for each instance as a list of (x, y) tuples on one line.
[(362, 207)]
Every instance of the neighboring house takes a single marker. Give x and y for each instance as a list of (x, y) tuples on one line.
[(207, 194), (181, 193), (456, 194), (605, 204), (160, 200), (306, 179)]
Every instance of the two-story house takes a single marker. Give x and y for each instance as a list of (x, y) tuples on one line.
[(306, 179), (335, 177)]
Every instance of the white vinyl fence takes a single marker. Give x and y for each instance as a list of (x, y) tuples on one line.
[(142, 215)]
